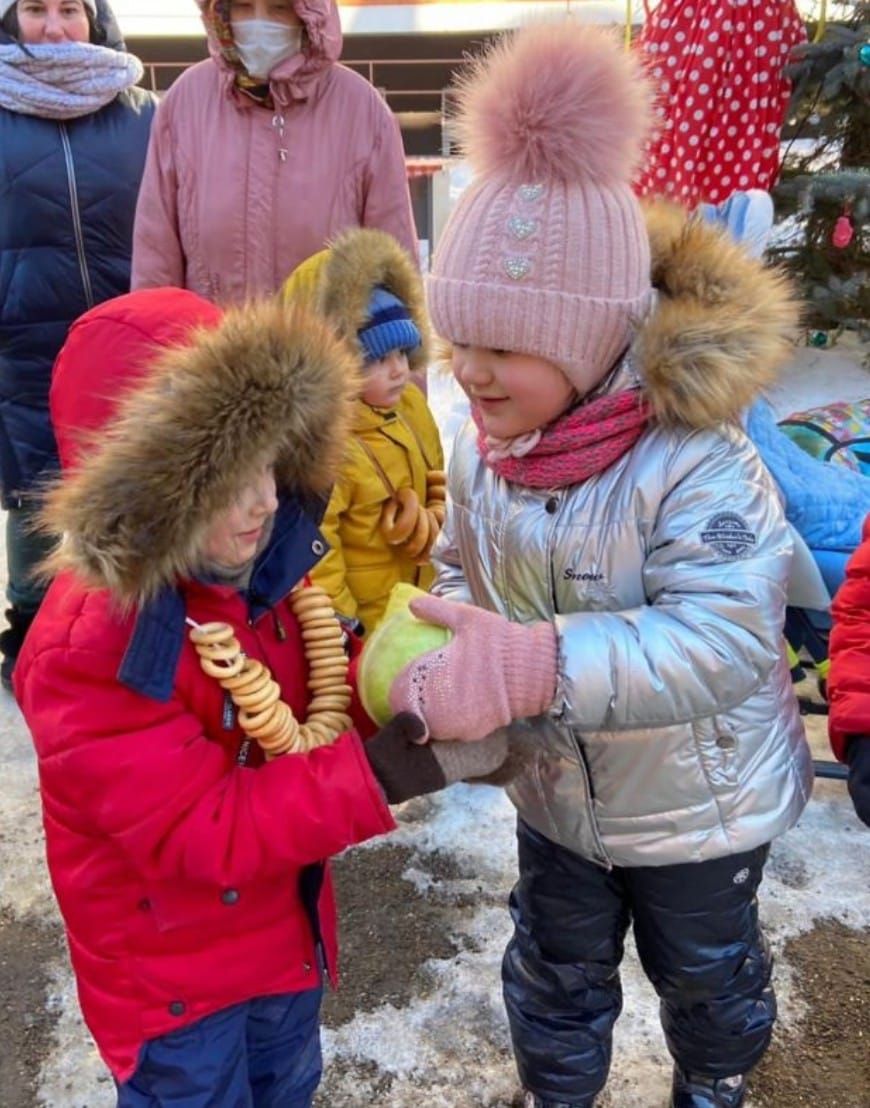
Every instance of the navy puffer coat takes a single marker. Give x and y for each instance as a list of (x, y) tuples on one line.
[(67, 198)]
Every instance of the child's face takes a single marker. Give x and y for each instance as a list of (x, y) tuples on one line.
[(515, 393), (385, 380), (234, 535)]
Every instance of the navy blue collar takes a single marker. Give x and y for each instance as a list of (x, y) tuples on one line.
[(151, 657)]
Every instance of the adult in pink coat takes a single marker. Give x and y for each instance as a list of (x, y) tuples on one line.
[(263, 153)]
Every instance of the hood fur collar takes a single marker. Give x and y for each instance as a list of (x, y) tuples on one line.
[(296, 78), (357, 262), (722, 326), (267, 382)]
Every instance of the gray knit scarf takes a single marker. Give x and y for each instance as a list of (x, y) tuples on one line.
[(63, 80)]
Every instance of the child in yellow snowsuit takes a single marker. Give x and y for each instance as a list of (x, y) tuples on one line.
[(387, 505)]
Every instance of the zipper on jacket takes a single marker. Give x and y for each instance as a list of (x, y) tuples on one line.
[(228, 713), (278, 124), (76, 215), (278, 626), (551, 507)]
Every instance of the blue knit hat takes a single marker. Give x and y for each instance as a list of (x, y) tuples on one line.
[(389, 327)]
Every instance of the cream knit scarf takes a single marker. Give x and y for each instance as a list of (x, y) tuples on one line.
[(64, 80)]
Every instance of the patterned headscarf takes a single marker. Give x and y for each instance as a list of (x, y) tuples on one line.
[(217, 16)]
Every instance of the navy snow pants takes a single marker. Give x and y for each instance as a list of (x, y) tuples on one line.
[(261, 1054), (698, 938)]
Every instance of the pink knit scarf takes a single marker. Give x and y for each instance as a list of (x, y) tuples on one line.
[(584, 441)]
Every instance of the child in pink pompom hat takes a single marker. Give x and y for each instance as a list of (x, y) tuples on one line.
[(613, 569)]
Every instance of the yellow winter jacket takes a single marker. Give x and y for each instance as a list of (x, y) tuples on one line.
[(361, 568)]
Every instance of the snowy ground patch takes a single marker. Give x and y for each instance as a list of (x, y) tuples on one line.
[(454, 1044)]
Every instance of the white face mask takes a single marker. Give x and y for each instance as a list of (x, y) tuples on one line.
[(263, 45)]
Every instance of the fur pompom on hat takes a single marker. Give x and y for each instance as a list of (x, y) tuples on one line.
[(546, 253), (554, 101)]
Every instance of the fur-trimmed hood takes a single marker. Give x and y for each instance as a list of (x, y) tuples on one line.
[(297, 77), (338, 282), (722, 326), (261, 382)]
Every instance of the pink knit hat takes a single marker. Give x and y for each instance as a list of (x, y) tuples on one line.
[(546, 252)]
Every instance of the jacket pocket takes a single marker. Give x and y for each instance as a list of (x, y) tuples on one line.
[(717, 746), (180, 904)]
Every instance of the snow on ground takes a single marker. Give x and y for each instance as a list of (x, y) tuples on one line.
[(815, 377), (454, 1042), (451, 1044)]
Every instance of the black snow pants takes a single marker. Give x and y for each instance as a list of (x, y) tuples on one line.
[(698, 938)]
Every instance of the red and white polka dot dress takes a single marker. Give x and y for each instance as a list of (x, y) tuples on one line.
[(718, 67)]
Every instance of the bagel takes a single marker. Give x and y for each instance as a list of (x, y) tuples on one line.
[(209, 634), (333, 681), (329, 650), (324, 702), (320, 665), (319, 622), (222, 652), (263, 722), (309, 594), (315, 615), (418, 541), (314, 734), (338, 721), (434, 532), (221, 670), (323, 635), (436, 495), (253, 671), (439, 513), (258, 699), (282, 742), (255, 682), (313, 608), (399, 516)]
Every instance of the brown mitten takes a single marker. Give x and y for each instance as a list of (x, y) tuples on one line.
[(403, 765)]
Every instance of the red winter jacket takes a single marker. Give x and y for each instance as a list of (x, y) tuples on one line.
[(849, 678), (187, 881)]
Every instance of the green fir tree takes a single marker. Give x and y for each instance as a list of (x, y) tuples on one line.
[(830, 105)]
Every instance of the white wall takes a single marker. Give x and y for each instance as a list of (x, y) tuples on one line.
[(172, 18)]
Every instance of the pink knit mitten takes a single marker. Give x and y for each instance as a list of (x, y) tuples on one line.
[(491, 672)]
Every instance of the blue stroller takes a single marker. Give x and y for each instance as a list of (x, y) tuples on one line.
[(826, 505), (824, 478)]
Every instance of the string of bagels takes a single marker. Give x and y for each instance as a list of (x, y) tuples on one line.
[(263, 715), (405, 522)]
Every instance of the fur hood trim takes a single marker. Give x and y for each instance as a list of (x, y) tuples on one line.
[(357, 262), (722, 326), (267, 382)]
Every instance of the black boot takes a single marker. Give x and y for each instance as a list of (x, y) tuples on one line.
[(691, 1090), (11, 641)]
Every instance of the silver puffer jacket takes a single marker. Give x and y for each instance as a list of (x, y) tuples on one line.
[(675, 735)]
